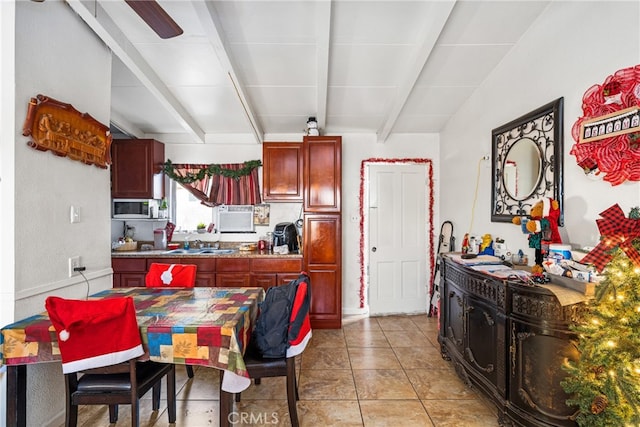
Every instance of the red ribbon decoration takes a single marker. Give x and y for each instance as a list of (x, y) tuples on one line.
[(616, 231)]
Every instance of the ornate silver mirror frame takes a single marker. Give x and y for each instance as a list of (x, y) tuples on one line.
[(527, 162)]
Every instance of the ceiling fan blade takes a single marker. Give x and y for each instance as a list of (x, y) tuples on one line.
[(156, 17)]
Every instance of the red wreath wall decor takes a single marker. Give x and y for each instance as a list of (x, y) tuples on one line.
[(608, 135)]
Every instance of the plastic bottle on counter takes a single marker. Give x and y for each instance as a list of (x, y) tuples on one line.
[(160, 238)]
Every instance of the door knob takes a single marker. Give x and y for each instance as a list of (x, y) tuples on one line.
[(373, 249)]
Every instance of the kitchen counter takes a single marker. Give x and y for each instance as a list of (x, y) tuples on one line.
[(164, 254)]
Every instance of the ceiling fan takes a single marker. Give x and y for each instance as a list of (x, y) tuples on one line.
[(156, 17)]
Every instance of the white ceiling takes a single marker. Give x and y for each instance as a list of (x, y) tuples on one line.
[(243, 69)]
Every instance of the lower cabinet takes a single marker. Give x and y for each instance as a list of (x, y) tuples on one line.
[(213, 271), (128, 272), (509, 341)]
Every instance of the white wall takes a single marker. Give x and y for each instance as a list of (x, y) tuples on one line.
[(355, 149), (58, 56), (572, 46)]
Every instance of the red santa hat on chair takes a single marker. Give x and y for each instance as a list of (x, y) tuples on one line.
[(95, 333), (172, 275)]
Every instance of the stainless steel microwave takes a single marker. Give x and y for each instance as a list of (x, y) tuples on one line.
[(135, 208)]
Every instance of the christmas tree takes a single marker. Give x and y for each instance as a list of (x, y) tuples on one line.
[(605, 382)]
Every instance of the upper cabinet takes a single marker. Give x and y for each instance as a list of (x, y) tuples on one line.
[(322, 173), (136, 169), (282, 171)]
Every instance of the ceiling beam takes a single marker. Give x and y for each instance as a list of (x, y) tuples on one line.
[(125, 125), (213, 28), (101, 24), (323, 31), (434, 24)]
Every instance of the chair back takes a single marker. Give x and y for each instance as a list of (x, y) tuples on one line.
[(171, 275), (94, 333), (300, 322)]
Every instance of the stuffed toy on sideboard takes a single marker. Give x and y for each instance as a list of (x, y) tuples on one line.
[(542, 227)]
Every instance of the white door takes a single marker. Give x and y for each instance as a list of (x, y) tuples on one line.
[(397, 241)]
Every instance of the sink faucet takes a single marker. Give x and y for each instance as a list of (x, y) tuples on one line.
[(198, 244)]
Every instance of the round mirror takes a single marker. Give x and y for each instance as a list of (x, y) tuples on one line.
[(522, 168)]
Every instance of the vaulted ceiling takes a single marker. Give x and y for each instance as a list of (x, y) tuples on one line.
[(243, 69)]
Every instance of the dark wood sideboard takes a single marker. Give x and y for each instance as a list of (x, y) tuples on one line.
[(509, 341)]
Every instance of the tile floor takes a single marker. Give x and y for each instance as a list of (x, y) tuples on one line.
[(384, 371)]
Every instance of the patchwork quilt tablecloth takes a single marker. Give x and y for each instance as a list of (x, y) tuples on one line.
[(195, 326)]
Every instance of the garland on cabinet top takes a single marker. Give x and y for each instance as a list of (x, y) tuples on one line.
[(604, 382), (209, 170), (608, 135)]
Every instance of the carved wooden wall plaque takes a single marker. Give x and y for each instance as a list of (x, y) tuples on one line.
[(58, 127)]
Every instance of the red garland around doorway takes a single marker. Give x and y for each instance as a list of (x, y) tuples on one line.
[(430, 214)]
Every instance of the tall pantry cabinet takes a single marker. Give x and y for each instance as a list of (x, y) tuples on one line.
[(322, 230)]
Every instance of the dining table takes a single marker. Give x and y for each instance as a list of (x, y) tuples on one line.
[(204, 326)]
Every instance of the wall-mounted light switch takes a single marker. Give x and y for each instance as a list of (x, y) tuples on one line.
[(74, 214)]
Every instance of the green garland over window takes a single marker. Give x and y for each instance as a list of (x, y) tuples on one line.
[(210, 170)]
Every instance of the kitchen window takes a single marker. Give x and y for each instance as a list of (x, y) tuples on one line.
[(188, 210)]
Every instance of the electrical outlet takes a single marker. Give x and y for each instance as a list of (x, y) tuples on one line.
[(74, 262)]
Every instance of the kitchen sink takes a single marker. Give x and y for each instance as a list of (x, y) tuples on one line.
[(217, 251), (202, 251)]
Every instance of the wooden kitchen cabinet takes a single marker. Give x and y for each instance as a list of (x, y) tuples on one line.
[(282, 171), (212, 271), (323, 262), (322, 173), (128, 272), (136, 169), (267, 272), (322, 230), (233, 272)]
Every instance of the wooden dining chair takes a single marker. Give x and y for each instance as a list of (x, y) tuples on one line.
[(101, 340), (172, 275), (299, 334)]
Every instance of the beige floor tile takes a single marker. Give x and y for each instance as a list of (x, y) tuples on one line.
[(325, 358), (192, 413), (366, 338), (425, 323), (370, 323), (98, 415), (373, 358), (327, 338), (342, 413), (406, 338), (383, 384), (436, 383), (316, 384), (204, 385), (376, 413), (396, 323), (268, 389), (456, 413), (262, 413), (421, 357)]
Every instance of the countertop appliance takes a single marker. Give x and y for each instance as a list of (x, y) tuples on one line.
[(135, 208), (285, 233)]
